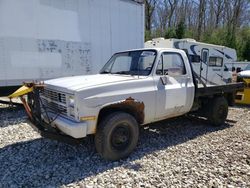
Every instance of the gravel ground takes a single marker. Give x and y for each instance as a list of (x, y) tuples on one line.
[(182, 152)]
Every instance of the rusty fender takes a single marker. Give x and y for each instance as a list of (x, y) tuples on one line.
[(136, 107)]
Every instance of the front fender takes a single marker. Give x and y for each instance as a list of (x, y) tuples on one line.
[(129, 105)]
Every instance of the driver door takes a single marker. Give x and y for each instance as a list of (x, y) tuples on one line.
[(172, 83)]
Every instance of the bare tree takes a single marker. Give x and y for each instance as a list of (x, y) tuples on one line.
[(236, 18), (202, 9), (198, 16), (172, 4), (192, 15), (182, 12), (234, 11), (162, 17), (218, 9), (150, 6)]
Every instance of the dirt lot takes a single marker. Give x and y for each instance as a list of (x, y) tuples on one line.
[(179, 153)]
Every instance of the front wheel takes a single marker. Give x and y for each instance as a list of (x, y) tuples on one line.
[(117, 136)]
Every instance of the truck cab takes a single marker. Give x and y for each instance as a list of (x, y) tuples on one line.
[(159, 80)]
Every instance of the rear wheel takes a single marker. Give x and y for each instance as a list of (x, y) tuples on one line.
[(117, 136), (231, 99), (218, 111)]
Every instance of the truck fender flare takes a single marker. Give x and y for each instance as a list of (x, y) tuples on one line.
[(129, 105)]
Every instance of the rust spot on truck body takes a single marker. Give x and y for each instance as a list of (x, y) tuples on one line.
[(134, 107)]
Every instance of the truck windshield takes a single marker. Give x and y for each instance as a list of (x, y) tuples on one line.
[(138, 62)]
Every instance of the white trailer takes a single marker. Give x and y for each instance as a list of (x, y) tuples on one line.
[(208, 60), (43, 39)]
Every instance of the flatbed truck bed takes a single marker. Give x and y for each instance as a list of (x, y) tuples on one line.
[(202, 91)]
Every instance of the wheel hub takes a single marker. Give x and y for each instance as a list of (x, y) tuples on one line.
[(120, 137)]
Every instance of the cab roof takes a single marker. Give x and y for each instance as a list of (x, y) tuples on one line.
[(156, 49)]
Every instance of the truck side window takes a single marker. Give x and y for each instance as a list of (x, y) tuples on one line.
[(171, 61)]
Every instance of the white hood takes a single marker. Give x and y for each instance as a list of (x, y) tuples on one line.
[(245, 73), (75, 83)]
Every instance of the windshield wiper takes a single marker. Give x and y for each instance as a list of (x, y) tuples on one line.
[(104, 72), (122, 72)]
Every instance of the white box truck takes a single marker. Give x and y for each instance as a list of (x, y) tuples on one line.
[(44, 39), (208, 60)]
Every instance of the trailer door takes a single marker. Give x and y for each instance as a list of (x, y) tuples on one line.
[(204, 64)]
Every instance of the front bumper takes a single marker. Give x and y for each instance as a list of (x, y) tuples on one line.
[(68, 127), (50, 132), (52, 124)]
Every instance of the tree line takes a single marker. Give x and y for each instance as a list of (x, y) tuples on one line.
[(222, 22)]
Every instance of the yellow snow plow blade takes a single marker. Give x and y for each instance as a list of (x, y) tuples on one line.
[(243, 97), (21, 91), (24, 90)]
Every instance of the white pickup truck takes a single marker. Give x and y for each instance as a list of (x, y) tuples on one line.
[(134, 88)]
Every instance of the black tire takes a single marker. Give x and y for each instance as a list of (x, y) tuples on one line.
[(218, 111), (117, 136)]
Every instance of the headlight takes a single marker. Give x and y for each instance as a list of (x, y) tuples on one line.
[(71, 102)]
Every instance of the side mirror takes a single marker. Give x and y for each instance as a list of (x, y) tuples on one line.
[(225, 69), (164, 80)]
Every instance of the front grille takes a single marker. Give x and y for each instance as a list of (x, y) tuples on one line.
[(54, 96), (54, 101)]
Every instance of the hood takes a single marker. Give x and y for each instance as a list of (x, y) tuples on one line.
[(76, 83), (245, 73)]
